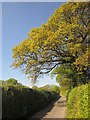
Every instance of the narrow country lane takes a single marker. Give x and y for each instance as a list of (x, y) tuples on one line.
[(55, 110)]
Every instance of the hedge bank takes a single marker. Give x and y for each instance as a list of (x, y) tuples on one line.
[(78, 102), (21, 102)]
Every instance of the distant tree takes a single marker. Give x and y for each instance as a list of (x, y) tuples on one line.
[(50, 88), (0, 82), (46, 87), (35, 87), (12, 81), (55, 88), (66, 71)]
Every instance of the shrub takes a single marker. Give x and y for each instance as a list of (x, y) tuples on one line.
[(77, 103), (21, 102)]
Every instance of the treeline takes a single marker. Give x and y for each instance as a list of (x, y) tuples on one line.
[(49, 88), (20, 101)]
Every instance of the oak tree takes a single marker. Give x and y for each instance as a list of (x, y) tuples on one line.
[(63, 39)]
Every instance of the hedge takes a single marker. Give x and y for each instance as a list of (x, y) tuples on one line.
[(78, 102), (21, 102)]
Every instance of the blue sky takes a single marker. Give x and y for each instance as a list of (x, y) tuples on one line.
[(17, 20)]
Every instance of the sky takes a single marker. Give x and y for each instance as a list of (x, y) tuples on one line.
[(17, 20)]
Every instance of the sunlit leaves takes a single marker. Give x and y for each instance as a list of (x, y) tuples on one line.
[(63, 39)]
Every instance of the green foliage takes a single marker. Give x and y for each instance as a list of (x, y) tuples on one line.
[(66, 82), (21, 102), (49, 88), (66, 76), (65, 85), (0, 82), (67, 72), (78, 102), (56, 89), (46, 88), (11, 81), (63, 91), (35, 87)]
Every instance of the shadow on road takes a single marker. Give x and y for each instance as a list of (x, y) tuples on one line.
[(44, 111), (59, 102)]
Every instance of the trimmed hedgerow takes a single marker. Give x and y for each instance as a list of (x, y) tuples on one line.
[(77, 103), (21, 102)]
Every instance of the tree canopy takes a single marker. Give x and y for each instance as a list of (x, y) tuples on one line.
[(10, 81), (63, 39), (49, 88)]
